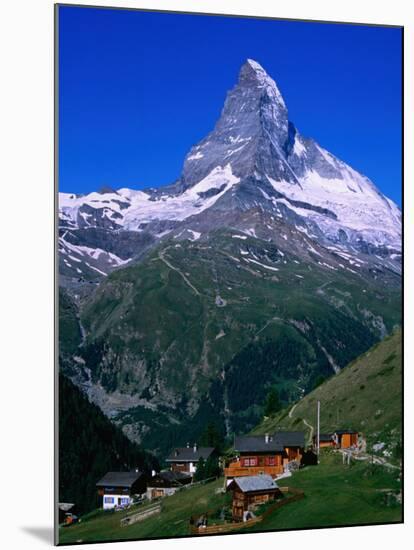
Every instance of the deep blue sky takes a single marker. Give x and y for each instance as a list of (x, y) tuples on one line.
[(138, 89)]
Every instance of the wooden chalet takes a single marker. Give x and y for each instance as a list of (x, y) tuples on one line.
[(251, 491), (185, 459), (340, 439), (166, 483), (117, 489), (265, 454), (344, 439)]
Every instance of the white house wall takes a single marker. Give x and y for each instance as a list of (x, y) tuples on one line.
[(108, 506)]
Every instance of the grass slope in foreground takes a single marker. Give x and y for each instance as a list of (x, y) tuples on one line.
[(172, 521), (334, 495), (365, 396), (339, 495)]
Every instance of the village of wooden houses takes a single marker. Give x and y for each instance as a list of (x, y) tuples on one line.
[(245, 487)]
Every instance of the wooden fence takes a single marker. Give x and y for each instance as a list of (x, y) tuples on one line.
[(296, 494), (224, 527), (196, 483)]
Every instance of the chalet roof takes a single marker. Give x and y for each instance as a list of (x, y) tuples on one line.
[(189, 454), (261, 482), (291, 439), (119, 479), (274, 443), (257, 443), (341, 432), (170, 479)]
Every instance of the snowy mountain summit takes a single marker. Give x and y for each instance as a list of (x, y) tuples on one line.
[(255, 137), (254, 159)]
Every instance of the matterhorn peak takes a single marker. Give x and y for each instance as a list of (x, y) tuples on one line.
[(250, 134), (253, 160), (253, 74), (252, 69)]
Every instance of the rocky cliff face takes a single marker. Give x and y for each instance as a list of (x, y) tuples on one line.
[(269, 262), (250, 135)]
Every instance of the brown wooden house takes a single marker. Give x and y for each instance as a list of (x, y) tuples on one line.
[(251, 491), (265, 454), (346, 438), (185, 459), (166, 483)]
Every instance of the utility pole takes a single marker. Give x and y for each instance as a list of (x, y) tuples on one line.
[(317, 429)]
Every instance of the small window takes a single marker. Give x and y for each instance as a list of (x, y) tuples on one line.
[(109, 500)]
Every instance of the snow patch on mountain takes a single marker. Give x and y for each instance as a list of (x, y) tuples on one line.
[(194, 200), (298, 148), (361, 211), (137, 208), (87, 258), (109, 205)]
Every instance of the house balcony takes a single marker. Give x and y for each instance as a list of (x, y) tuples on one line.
[(236, 470)]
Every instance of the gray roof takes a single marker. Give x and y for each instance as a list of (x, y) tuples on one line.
[(168, 478), (119, 479), (275, 443), (341, 432), (187, 454), (256, 443), (261, 482), (291, 439)]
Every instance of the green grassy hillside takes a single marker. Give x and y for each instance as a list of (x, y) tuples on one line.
[(366, 396), (336, 494), (172, 521)]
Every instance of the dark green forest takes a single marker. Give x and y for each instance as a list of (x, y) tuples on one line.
[(89, 446)]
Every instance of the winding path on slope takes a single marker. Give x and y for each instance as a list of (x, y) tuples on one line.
[(292, 409), (311, 430), (309, 426), (168, 264)]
